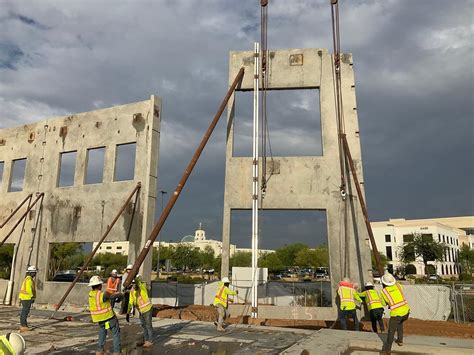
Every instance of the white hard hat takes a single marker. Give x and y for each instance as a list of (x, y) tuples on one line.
[(95, 280), (388, 279), (346, 279), (32, 269), (129, 267), (17, 342), (225, 280), (114, 272), (368, 284)]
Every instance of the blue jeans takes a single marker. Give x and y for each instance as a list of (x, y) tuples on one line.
[(115, 329), (25, 310), (345, 314), (145, 320)]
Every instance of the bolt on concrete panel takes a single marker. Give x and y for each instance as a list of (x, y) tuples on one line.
[(76, 209)]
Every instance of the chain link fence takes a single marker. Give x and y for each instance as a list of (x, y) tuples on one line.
[(463, 302)]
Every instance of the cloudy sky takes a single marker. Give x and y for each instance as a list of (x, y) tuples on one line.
[(414, 75)]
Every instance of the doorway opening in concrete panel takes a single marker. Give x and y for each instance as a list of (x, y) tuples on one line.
[(6, 260), (17, 178), (294, 123), (293, 245), (67, 168)]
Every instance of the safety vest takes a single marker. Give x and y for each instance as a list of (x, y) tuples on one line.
[(347, 296), (373, 299), (222, 295), (28, 291), (394, 297), (139, 298), (100, 310), (112, 285), (5, 346)]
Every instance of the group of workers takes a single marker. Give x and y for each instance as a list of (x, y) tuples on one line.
[(101, 307), (391, 295)]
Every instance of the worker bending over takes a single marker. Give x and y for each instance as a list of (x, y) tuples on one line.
[(347, 297), (113, 284), (221, 301), (375, 305), (139, 300), (12, 344), (392, 295), (27, 296), (103, 314)]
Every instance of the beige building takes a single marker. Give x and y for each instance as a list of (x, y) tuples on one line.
[(391, 235)]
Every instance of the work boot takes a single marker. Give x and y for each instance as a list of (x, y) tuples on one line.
[(99, 353), (399, 342), (147, 344), (24, 329), (220, 328)]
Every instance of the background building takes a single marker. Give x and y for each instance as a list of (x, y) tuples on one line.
[(391, 235)]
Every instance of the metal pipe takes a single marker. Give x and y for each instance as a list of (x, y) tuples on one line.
[(28, 197), (348, 155), (21, 218), (91, 255), (187, 172), (255, 184)]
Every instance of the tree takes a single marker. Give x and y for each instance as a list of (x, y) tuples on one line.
[(383, 260), (466, 258), (287, 254), (422, 246), (109, 262), (271, 261), (6, 259), (64, 256), (241, 258), (207, 258), (165, 253), (185, 256), (312, 257)]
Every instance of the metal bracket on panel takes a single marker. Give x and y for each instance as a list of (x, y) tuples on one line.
[(296, 59)]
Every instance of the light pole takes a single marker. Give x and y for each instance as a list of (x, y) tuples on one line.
[(162, 192)]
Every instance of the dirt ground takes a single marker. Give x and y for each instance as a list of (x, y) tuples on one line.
[(412, 326)]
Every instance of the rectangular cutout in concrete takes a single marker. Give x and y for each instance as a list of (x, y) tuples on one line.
[(2, 164), (6, 258), (65, 259), (125, 161), (294, 123), (67, 168), (95, 165), (17, 178)]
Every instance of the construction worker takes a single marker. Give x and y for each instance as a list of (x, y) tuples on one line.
[(27, 296), (375, 305), (347, 297), (113, 283), (221, 301), (103, 314), (392, 295), (139, 300), (126, 294), (12, 344)]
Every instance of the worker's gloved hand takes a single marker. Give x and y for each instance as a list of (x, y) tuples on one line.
[(237, 292)]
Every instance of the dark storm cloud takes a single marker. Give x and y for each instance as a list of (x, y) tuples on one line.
[(414, 81)]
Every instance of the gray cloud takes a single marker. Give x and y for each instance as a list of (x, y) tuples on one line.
[(414, 77)]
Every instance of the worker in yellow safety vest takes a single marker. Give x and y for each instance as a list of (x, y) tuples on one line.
[(27, 296), (139, 300), (347, 298), (12, 344), (221, 301), (103, 314), (392, 295), (375, 305)]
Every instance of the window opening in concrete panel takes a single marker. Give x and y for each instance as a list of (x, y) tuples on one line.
[(67, 168), (2, 164), (17, 178), (95, 165), (294, 123), (6, 259), (125, 161), (293, 245)]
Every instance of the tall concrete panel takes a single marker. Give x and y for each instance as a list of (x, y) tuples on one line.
[(81, 212), (306, 182)]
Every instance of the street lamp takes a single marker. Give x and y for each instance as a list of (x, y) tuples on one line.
[(162, 192)]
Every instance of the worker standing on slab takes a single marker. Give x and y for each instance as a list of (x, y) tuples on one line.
[(103, 314), (392, 295), (27, 296), (12, 344), (348, 297), (139, 300), (375, 305), (113, 283), (221, 301)]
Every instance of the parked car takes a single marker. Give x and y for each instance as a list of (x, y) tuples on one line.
[(434, 277)]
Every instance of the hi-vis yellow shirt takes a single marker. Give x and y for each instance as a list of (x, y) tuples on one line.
[(100, 310), (222, 295), (347, 295), (372, 299), (395, 299), (28, 291), (5, 346), (139, 298)]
